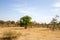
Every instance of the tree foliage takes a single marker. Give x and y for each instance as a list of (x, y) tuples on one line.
[(25, 21)]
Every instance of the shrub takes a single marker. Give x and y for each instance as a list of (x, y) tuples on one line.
[(9, 35)]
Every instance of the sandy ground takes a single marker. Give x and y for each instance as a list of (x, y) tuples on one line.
[(34, 33)]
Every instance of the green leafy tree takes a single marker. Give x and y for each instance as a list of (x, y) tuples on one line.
[(25, 21)]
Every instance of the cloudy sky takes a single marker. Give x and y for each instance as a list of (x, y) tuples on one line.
[(40, 10)]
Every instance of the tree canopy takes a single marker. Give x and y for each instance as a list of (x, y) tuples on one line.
[(25, 21)]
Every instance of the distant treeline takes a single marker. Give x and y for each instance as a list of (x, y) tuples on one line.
[(16, 24), (8, 23), (26, 22)]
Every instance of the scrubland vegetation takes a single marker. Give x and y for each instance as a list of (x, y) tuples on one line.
[(26, 29)]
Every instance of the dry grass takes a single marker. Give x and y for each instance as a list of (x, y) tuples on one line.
[(33, 33)]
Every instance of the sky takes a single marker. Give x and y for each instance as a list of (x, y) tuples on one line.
[(41, 11)]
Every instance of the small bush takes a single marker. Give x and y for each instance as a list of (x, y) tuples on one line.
[(9, 35)]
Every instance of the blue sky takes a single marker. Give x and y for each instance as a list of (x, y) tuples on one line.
[(40, 10)]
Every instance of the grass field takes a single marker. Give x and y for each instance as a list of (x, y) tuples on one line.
[(33, 33)]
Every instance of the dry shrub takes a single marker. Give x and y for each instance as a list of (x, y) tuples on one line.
[(9, 35)]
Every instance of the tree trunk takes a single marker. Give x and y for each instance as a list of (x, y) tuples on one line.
[(53, 28), (25, 26)]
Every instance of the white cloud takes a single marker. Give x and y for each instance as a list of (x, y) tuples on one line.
[(37, 14), (55, 11), (57, 4), (56, 8)]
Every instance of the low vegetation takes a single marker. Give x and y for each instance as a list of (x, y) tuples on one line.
[(26, 22), (10, 35), (30, 28), (30, 33)]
